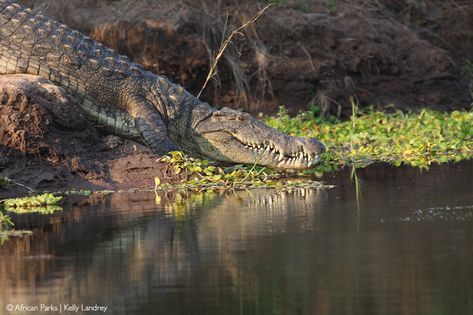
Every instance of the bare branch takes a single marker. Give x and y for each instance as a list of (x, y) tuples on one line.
[(224, 45)]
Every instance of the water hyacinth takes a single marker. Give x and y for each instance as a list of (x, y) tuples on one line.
[(202, 175), (414, 138), (45, 203)]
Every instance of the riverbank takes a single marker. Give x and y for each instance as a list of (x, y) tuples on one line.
[(297, 54), (401, 54), (51, 157)]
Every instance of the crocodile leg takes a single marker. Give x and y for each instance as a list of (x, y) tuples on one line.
[(152, 128)]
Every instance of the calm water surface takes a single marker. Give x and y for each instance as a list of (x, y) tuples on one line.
[(405, 248)]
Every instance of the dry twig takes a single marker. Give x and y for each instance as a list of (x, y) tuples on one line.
[(224, 45)]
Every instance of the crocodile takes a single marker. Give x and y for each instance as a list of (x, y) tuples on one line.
[(124, 99)]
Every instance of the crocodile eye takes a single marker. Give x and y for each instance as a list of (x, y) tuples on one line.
[(241, 117)]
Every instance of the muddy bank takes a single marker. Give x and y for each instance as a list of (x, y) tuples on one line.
[(46, 143), (384, 53)]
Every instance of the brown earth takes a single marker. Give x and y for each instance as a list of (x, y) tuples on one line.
[(387, 53), (406, 54), (47, 144)]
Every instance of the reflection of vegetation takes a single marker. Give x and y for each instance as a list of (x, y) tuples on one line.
[(45, 203), (5, 221), (6, 225), (416, 139), (184, 205), (201, 175), (81, 192), (6, 228), (354, 177)]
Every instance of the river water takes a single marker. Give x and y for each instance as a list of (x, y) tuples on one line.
[(401, 242)]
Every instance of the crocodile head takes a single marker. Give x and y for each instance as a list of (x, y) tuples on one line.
[(231, 136)]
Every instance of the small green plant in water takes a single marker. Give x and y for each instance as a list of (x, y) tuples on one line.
[(202, 175), (45, 203)]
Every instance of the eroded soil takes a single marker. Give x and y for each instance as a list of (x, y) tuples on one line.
[(46, 143), (406, 54)]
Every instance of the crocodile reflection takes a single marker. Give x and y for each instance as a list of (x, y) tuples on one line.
[(125, 243)]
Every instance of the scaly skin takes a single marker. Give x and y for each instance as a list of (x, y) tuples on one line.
[(123, 98)]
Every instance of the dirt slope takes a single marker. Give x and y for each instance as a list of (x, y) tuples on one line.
[(385, 53), (46, 143)]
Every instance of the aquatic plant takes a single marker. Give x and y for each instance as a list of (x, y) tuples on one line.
[(412, 138), (45, 203), (198, 174)]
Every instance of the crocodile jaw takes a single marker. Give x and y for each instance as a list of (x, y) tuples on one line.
[(231, 136)]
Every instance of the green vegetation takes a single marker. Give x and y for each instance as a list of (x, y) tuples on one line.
[(7, 231), (45, 204), (187, 205), (416, 139), (198, 174)]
